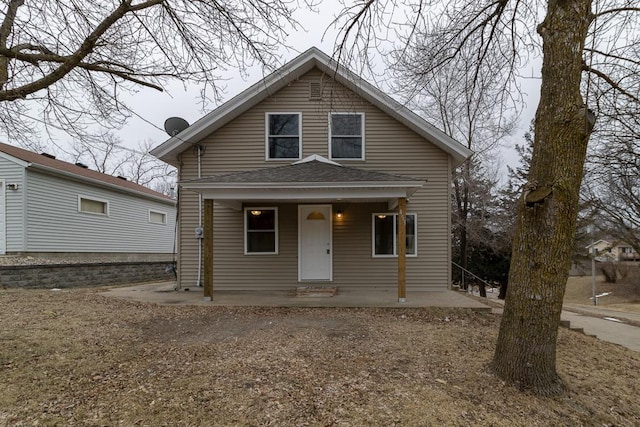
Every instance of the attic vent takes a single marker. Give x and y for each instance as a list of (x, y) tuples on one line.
[(51, 156), (315, 91), (123, 177), (82, 165)]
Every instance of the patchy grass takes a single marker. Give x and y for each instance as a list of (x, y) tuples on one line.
[(79, 358), (624, 295)]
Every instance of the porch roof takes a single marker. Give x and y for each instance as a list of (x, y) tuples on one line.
[(306, 180)]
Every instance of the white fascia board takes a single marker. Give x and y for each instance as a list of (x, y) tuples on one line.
[(403, 114), (318, 158), (15, 160), (99, 183), (299, 185), (236, 105), (303, 194)]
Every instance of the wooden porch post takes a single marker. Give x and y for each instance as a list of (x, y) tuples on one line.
[(207, 242), (402, 249)]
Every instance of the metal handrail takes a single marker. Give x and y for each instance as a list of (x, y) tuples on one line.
[(473, 275)]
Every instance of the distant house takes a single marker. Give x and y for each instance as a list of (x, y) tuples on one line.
[(613, 251), (313, 177), (52, 208)]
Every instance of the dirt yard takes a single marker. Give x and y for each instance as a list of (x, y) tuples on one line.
[(79, 358)]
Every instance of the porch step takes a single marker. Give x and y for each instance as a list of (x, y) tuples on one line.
[(316, 291)]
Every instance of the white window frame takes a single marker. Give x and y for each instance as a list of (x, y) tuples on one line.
[(362, 127), (267, 135), (246, 231), (93, 199), (164, 217), (395, 234)]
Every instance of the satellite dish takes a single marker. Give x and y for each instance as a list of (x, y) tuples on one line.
[(175, 125)]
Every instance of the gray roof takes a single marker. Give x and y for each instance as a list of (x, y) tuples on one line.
[(308, 172)]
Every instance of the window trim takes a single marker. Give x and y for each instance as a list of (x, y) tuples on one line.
[(93, 199), (246, 231), (362, 128), (164, 216), (395, 234), (267, 135)]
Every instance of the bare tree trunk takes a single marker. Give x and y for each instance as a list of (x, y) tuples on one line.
[(482, 289), (461, 193), (546, 215)]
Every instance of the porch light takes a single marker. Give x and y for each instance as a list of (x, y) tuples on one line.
[(256, 213), (382, 216), (339, 213)]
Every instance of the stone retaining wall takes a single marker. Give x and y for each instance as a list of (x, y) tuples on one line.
[(83, 275)]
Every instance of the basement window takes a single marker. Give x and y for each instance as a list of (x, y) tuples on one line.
[(93, 206), (157, 217)]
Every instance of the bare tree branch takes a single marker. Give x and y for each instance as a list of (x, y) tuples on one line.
[(76, 58)]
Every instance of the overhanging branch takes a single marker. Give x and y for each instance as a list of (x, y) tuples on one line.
[(609, 81)]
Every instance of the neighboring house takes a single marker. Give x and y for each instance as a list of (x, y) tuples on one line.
[(619, 251), (305, 178), (52, 208)]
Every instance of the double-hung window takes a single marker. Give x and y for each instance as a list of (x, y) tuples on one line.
[(385, 235), (284, 135), (346, 136), (261, 230)]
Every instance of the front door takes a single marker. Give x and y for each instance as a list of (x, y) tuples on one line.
[(314, 243)]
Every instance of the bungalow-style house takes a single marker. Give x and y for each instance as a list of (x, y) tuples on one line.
[(313, 178), (613, 251), (51, 208)]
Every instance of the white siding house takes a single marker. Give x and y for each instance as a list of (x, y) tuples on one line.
[(49, 208)]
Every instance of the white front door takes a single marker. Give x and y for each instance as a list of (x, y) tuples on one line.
[(314, 242)]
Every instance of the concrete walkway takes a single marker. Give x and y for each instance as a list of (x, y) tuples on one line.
[(164, 294), (606, 325)]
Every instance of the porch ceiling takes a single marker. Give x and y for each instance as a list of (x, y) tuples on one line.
[(315, 181)]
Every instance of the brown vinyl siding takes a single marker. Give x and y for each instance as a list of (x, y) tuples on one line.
[(390, 147)]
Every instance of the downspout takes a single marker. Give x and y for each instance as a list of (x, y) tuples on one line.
[(199, 279)]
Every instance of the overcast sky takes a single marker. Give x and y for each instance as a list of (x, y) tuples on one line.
[(154, 107)]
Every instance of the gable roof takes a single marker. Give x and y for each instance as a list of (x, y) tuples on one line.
[(312, 58), (28, 158)]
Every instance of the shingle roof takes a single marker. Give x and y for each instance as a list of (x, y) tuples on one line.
[(70, 168), (307, 172)]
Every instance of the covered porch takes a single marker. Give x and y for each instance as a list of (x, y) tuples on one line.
[(317, 189)]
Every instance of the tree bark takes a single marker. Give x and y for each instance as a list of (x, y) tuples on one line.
[(526, 348)]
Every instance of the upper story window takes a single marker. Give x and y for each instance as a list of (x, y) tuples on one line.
[(93, 206), (284, 135), (346, 136)]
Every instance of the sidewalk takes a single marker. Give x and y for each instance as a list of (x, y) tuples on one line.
[(605, 324)]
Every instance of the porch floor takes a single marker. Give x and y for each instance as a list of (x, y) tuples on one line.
[(164, 294)]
